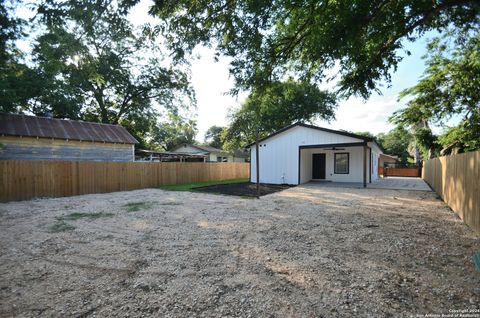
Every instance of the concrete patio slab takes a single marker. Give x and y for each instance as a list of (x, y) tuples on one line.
[(392, 183), (400, 183)]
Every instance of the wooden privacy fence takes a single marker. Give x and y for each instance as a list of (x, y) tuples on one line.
[(21, 180), (402, 172), (456, 179)]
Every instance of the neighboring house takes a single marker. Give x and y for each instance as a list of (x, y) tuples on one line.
[(386, 160), (25, 137), (165, 156), (211, 154), (300, 153), (241, 156)]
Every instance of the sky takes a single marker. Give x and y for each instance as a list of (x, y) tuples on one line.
[(211, 81)]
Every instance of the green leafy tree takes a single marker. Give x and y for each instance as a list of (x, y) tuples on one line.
[(270, 39), (460, 138), (364, 133), (416, 117), (279, 105), (213, 136), (175, 131), (448, 88), (18, 82), (10, 31), (396, 142), (95, 65)]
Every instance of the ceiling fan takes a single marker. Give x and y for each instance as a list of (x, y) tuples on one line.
[(333, 148)]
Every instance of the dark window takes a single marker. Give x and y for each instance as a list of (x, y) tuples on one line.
[(219, 159), (342, 162), (222, 159)]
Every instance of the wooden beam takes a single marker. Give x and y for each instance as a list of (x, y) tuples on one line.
[(345, 144), (257, 163), (365, 166), (370, 165)]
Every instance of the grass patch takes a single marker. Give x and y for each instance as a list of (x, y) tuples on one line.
[(169, 203), (193, 185), (61, 226), (137, 206), (81, 215)]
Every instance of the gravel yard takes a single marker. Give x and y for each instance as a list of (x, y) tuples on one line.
[(304, 252)]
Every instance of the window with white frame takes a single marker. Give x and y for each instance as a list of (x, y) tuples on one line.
[(342, 161)]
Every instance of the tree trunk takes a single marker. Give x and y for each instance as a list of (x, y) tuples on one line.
[(98, 94)]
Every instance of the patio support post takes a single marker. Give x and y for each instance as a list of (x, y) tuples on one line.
[(370, 165), (257, 163), (365, 166)]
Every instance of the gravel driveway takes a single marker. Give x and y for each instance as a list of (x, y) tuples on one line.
[(303, 252)]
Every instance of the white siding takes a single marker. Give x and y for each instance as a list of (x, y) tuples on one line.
[(279, 154), (214, 155)]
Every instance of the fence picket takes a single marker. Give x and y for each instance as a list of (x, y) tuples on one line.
[(24, 179), (456, 179)]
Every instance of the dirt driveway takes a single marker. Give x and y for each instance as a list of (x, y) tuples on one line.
[(302, 252)]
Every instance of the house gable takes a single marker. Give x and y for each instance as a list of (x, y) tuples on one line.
[(305, 136), (288, 129)]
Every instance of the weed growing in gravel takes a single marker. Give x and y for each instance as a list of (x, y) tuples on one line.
[(137, 206), (61, 226), (169, 203), (82, 215)]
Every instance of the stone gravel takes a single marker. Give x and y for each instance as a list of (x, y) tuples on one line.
[(304, 252)]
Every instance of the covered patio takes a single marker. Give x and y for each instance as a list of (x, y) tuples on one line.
[(340, 163)]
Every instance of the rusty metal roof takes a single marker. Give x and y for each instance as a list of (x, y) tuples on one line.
[(44, 127)]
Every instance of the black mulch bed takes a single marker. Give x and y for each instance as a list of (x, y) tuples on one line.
[(244, 189)]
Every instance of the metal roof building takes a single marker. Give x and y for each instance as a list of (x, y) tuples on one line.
[(25, 137)]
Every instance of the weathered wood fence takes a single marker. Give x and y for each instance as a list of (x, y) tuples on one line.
[(21, 180), (456, 179)]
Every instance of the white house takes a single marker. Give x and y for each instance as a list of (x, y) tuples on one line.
[(300, 153)]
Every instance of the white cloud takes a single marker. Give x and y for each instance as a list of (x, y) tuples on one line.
[(211, 81), (356, 115)]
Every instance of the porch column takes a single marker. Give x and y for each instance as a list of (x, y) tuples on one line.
[(370, 165), (365, 166)]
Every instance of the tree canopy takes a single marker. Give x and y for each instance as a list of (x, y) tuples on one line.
[(17, 80), (89, 62), (449, 88), (173, 131), (267, 40), (396, 142), (213, 136), (279, 105)]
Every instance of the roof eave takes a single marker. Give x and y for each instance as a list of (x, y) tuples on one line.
[(338, 132)]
